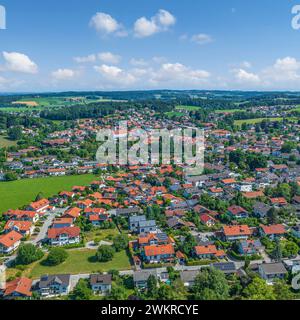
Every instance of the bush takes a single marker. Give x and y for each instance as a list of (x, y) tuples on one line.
[(56, 256), (120, 242), (202, 262), (28, 253), (105, 253)]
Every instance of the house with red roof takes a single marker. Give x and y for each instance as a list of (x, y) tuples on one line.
[(238, 232), (159, 253), (21, 215), (10, 242), (18, 288), (272, 231), (209, 252), (278, 202), (24, 227), (63, 236), (208, 220), (237, 212), (72, 213), (39, 206)]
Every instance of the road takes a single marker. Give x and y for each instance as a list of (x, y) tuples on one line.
[(43, 230), (42, 234)]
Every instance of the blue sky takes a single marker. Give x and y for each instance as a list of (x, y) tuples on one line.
[(140, 44)]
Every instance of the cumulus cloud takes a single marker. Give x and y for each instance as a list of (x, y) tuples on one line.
[(162, 21), (105, 24), (114, 75), (19, 62), (201, 38), (89, 58), (246, 77), (179, 74), (63, 74), (109, 57), (285, 69)]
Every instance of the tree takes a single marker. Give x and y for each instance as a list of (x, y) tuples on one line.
[(10, 176), (56, 256), (82, 291), (188, 244), (39, 196), (105, 253), (210, 284), (272, 216), (282, 290), (120, 242), (28, 253), (118, 292), (152, 286), (15, 133), (258, 289)]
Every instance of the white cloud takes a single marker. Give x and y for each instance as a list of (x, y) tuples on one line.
[(162, 21), (63, 74), (138, 62), (165, 18), (19, 62), (89, 58), (105, 24), (244, 76), (115, 75), (201, 38), (109, 57), (177, 74)]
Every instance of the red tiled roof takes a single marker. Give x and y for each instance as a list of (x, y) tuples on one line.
[(159, 250), (70, 231), (236, 230), (10, 239), (21, 286), (274, 229)]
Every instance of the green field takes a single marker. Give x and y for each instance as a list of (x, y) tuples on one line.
[(229, 111), (19, 193), (189, 108), (172, 114), (82, 261), (106, 234), (6, 143), (259, 120)]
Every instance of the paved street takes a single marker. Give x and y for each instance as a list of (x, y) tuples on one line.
[(43, 230)]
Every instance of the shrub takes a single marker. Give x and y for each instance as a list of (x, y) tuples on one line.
[(105, 253), (56, 256), (28, 253)]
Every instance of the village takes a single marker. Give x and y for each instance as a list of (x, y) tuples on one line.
[(240, 217)]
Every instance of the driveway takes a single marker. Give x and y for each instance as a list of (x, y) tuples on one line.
[(43, 230)]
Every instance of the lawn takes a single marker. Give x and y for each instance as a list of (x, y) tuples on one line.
[(82, 261), (4, 142), (19, 193), (172, 114), (259, 120), (189, 108), (229, 111), (102, 235)]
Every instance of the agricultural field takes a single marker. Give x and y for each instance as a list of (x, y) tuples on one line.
[(188, 108), (229, 111), (81, 261), (259, 120), (4, 142), (16, 194)]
